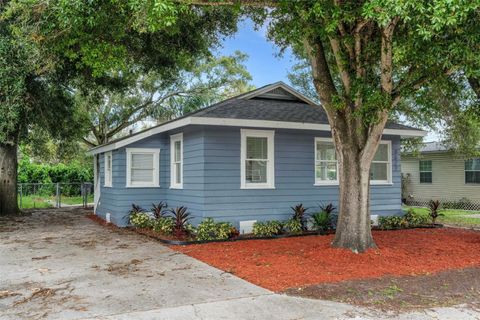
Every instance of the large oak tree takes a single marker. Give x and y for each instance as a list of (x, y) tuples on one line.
[(365, 58)]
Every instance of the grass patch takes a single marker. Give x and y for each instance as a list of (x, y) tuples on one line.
[(452, 216), (35, 201), (41, 202)]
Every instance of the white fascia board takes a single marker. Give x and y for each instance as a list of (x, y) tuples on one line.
[(148, 133), (290, 125), (237, 123)]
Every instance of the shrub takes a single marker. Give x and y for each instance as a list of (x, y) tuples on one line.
[(267, 228), (140, 220), (137, 217), (181, 218), (208, 229), (163, 225), (434, 210), (321, 221), (392, 222), (299, 214), (158, 210), (293, 226), (415, 219)]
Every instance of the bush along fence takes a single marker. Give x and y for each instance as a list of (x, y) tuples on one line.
[(460, 204), (54, 195)]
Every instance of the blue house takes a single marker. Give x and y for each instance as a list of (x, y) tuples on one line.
[(244, 159)]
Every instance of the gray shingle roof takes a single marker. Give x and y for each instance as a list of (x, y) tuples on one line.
[(433, 147), (273, 110)]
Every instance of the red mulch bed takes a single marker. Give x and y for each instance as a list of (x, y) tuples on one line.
[(285, 263)]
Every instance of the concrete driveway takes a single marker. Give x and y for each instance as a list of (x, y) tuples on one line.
[(56, 264)]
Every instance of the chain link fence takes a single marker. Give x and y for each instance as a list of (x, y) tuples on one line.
[(54, 195)]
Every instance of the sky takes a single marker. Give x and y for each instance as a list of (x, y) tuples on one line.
[(264, 63)]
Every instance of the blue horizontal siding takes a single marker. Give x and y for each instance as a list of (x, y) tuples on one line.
[(211, 184)]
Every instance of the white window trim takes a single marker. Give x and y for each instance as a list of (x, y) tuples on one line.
[(174, 138), (156, 172), (107, 175), (323, 182), (465, 176), (372, 182), (270, 135), (390, 165), (423, 171)]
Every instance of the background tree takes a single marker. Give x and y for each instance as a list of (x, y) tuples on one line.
[(154, 98), (48, 48)]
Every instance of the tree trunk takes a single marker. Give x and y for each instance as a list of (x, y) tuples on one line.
[(353, 225), (8, 179)]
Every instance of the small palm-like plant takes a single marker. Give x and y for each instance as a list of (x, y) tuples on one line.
[(158, 210), (299, 214), (328, 209), (434, 210), (181, 218)]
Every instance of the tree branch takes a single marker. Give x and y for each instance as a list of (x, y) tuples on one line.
[(322, 77)]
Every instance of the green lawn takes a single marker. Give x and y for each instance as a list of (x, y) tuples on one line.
[(76, 200), (453, 216), (36, 201)]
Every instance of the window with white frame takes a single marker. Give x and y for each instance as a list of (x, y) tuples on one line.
[(326, 165), (425, 169), (257, 159), (380, 170), (108, 169), (143, 167), (176, 161), (472, 171)]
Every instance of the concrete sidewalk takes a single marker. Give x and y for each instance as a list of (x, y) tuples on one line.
[(56, 264)]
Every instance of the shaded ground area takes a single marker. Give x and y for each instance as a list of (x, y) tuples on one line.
[(57, 264), (402, 293), (297, 262)]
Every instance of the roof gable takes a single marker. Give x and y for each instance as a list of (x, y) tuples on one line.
[(277, 91)]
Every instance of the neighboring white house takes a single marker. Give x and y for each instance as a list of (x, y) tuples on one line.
[(437, 173)]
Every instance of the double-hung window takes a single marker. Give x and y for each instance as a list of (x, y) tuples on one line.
[(257, 159), (326, 165), (108, 169), (381, 167), (143, 167), (176, 161), (425, 169), (472, 171)]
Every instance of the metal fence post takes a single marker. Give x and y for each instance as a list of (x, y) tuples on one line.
[(58, 195), (82, 191), (21, 196)]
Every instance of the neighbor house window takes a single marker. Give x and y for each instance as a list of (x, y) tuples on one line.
[(176, 161), (472, 171), (143, 167), (380, 170), (326, 165), (108, 169), (257, 159), (425, 171)]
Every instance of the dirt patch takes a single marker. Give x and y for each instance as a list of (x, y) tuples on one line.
[(446, 288), (123, 268), (297, 262), (5, 294), (40, 258), (88, 244)]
